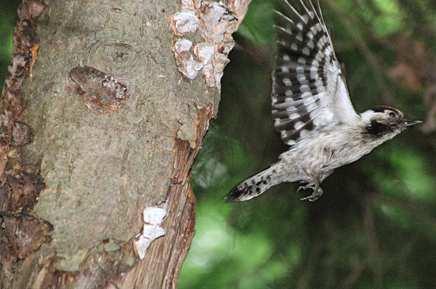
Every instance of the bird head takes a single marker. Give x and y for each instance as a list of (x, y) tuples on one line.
[(385, 122)]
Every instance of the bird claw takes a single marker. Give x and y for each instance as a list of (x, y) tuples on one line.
[(306, 187), (317, 192)]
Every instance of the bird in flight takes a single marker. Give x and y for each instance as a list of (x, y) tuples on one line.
[(312, 110)]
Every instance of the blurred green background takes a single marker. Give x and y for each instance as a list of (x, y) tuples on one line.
[(375, 228)]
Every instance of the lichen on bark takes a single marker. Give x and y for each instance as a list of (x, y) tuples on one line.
[(214, 23), (100, 170)]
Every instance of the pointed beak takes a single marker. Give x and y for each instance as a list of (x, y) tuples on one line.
[(410, 123)]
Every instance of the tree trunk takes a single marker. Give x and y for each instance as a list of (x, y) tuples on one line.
[(102, 119)]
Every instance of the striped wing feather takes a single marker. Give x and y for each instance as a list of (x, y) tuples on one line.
[(309, 92)]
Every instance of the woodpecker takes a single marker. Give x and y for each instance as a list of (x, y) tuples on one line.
[(312, 110)]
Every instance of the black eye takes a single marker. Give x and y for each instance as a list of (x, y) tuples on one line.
[(392, 114)]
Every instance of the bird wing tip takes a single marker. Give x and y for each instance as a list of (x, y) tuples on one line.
[(236, 194)]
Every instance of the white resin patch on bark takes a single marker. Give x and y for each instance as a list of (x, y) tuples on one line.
[(183, 45), (153, 218), (214, 22), (204, 52), (186, 63), (185, 22)]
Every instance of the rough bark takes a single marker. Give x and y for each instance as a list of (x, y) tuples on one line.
[(115, 129)]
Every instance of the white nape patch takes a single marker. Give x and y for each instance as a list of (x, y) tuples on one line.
[(153, 218), (367, 115)]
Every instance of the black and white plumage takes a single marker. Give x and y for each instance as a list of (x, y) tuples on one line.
[(309, 91), (312, 110)]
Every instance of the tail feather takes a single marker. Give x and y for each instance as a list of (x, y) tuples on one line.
[(255, 185)]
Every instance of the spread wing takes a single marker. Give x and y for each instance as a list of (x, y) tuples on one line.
[(309, 92)]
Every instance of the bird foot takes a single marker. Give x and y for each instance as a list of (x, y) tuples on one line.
[(309, 186), (317, 192)]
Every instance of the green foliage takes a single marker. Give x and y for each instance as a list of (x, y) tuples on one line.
[(258, 24), (375, 227), (216, 250), (410, 173), (7, 23), (390, 19)]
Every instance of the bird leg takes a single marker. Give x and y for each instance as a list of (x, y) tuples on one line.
[(317, 191), (308, 186), (316, 194)]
